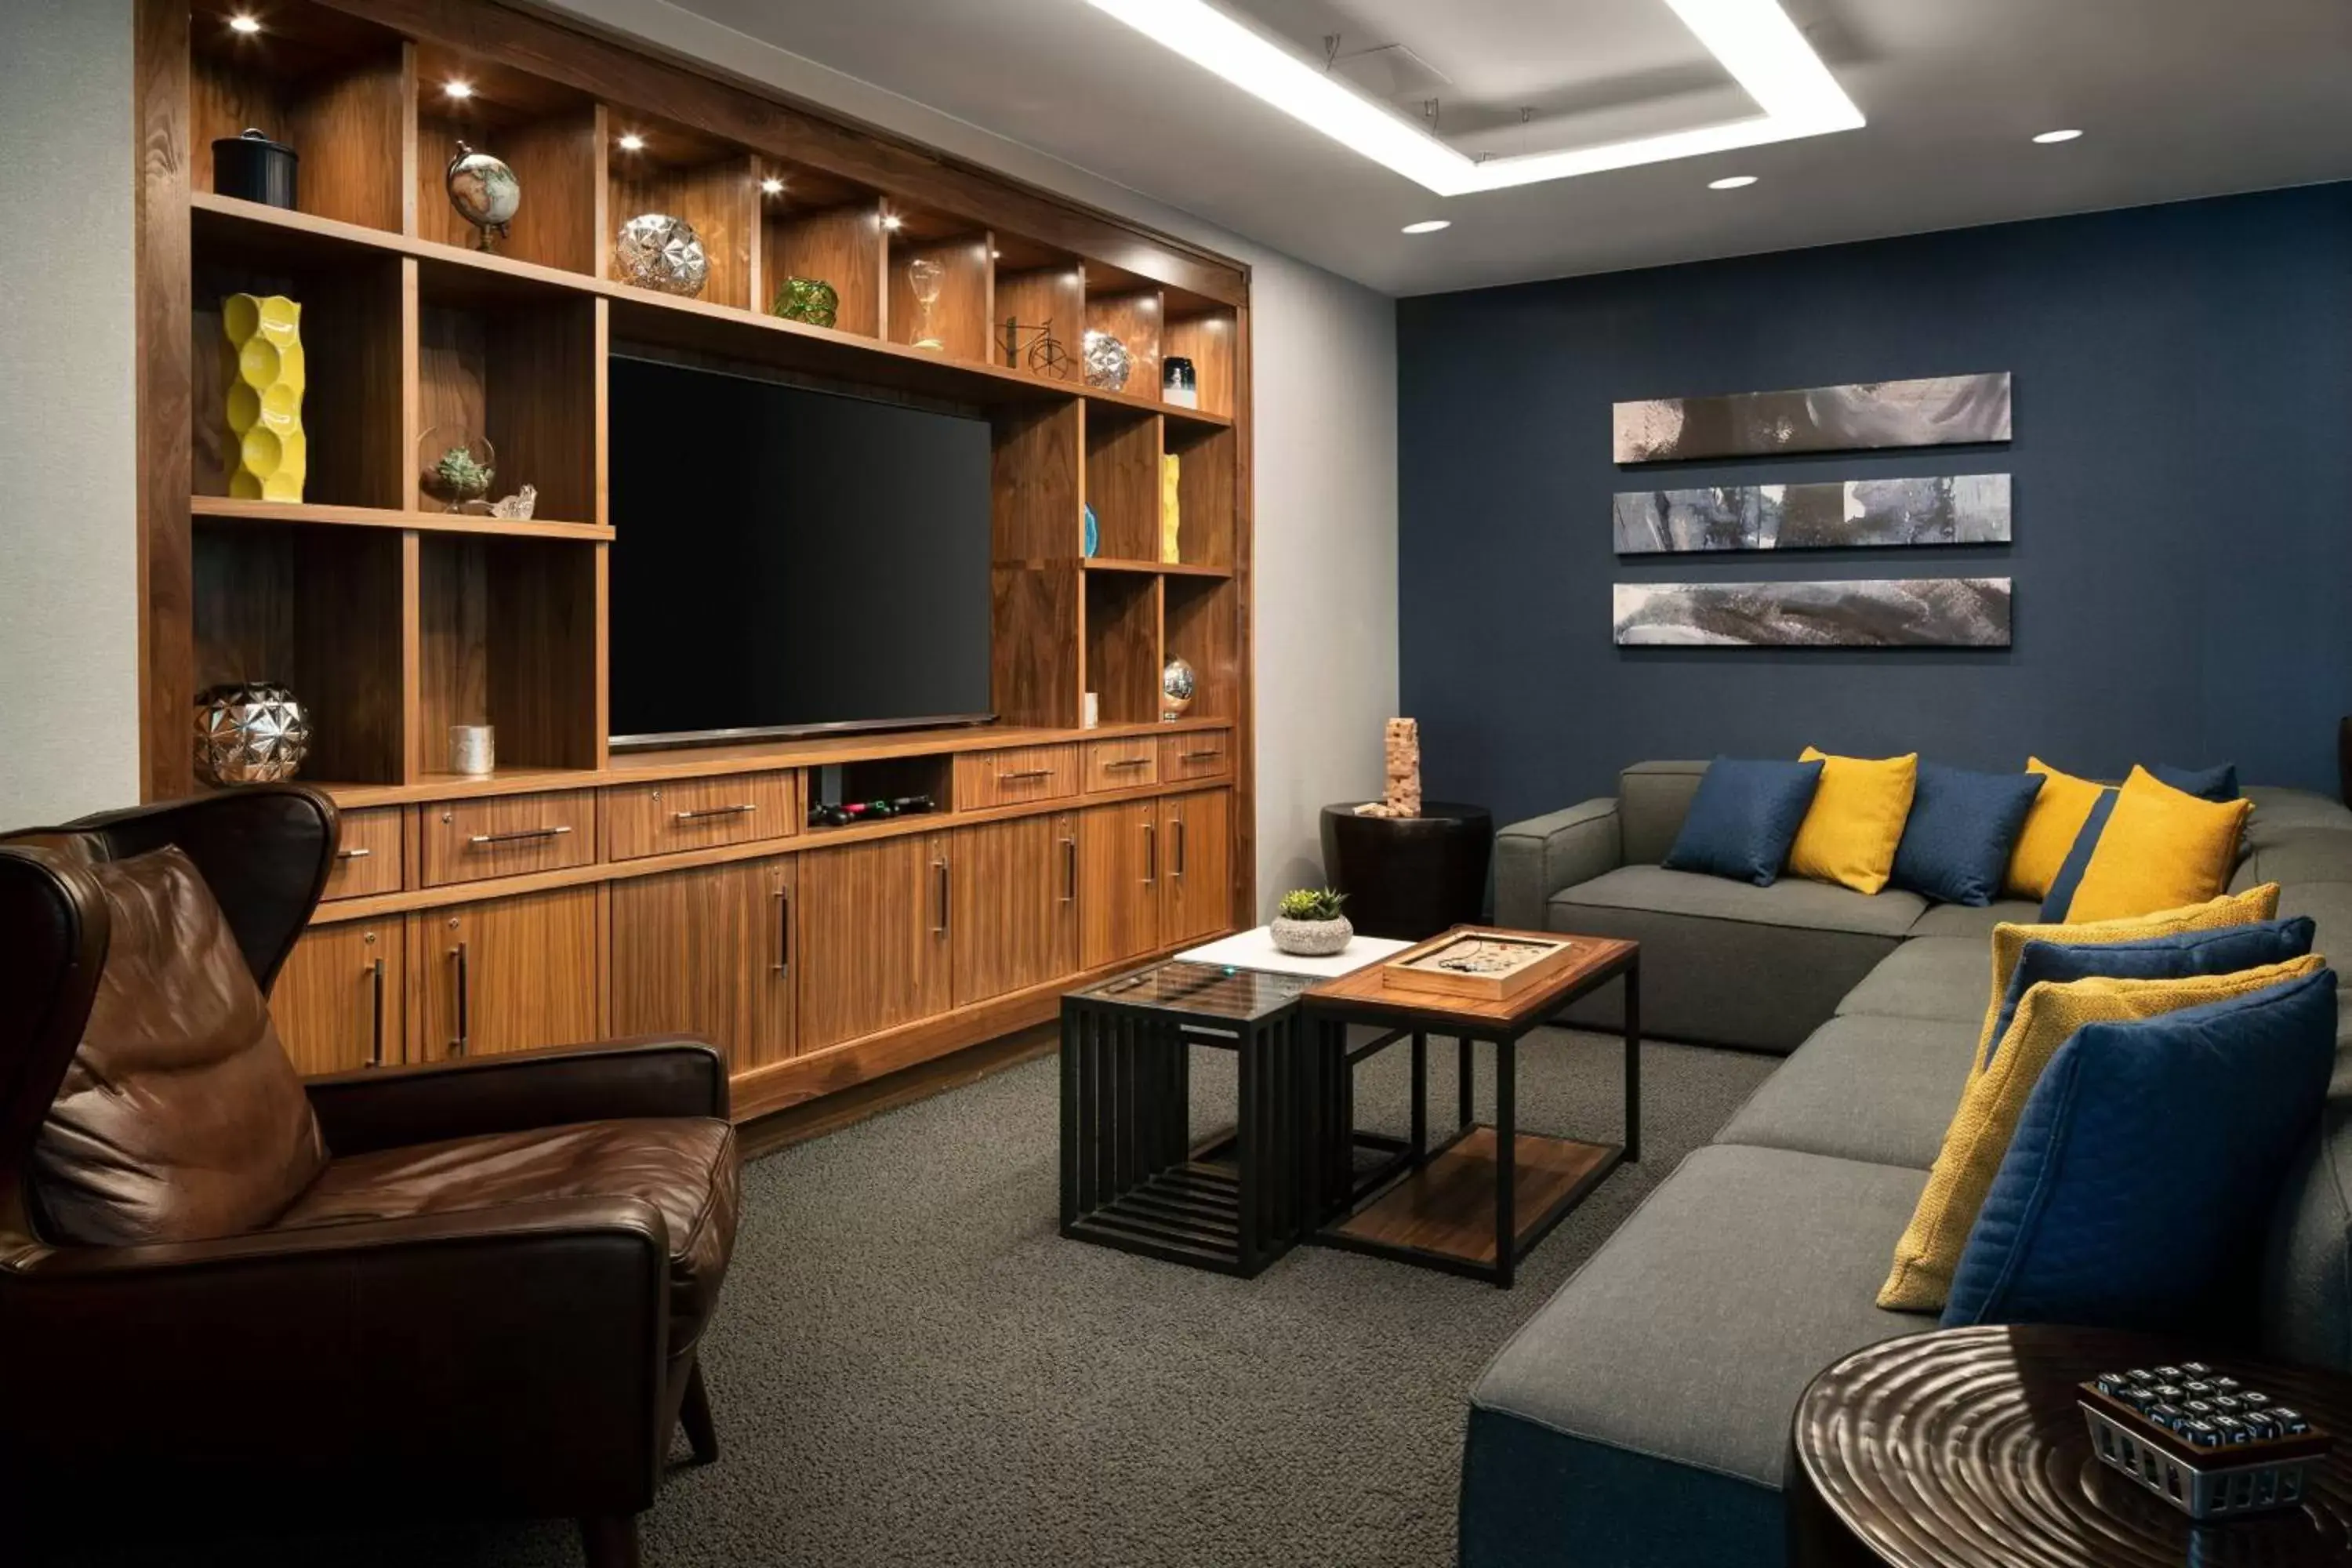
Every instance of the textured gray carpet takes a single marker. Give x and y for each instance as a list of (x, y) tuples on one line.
[(909, 1366)]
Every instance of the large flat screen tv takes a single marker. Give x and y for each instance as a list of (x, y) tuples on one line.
[(787, 560)]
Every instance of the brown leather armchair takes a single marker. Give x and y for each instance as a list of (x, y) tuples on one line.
[(485, 1296)]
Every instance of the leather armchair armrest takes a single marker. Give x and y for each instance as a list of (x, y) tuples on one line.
[(1536, 859), (459, 1341), (383, 1108)]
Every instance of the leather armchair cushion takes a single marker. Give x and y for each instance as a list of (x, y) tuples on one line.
[(684, 1166), (180, 1118)]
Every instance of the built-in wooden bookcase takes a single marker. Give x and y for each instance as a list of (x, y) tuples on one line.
[(551, 135)]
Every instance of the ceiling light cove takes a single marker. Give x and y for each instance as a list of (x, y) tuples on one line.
[(2052, 138), (1754, 40), (1731, 183), (1429, 226)]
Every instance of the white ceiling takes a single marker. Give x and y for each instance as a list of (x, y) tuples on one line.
[(2180, 98)]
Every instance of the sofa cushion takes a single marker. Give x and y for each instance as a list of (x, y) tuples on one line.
[(2177, 956), (2219, 781), (1942, 977), (1962, 920), (2306, 1272), (1641, 1415), (1653, 798), (1744, 818), (1804, 906), (1870, 1089), (1855, 820), (2278, 809), (2162, 850), (2299, 855), (1957, 841), (2329, 905), (2051, 828)]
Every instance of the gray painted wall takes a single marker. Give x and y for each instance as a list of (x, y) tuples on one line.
[(68, 568), (2183, 463)]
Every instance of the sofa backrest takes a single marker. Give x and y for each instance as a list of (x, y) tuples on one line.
[(1653, 798)]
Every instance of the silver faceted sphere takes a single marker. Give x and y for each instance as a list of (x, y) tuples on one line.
[(1108, 362), (249, 732), (1177, 685), (663, 253)]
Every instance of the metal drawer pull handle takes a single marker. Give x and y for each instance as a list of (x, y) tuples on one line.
[(375, 1046), (1209, 756), (354, 853), (464, 1022), (519, 835), (1127, 762), (1070, 870), (783, 931), (1152, 854), (1025, 775), (1180, 846), (942, 867), (746, 809)]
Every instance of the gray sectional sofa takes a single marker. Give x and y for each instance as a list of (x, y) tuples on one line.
[(1641, 1418)]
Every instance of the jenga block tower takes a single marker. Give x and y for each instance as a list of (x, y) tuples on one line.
[(1404, 748)]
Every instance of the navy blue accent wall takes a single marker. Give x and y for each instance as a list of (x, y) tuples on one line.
[(2183, 495)]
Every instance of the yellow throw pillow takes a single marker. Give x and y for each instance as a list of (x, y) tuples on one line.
[(2047, 1016), (2162, 848), (2008, 940), (2050, 830), (1855, 820)]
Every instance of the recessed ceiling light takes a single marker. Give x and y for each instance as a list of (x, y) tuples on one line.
[(1754, 40), (1429, 226), (1731, 183), (242, 23), (892, 222), (632, 143), (459, 89), (2051, 138), (773, 186), (996, 255)]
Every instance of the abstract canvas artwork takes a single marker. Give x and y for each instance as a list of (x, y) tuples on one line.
[(1939, 411), (1965, 508), (1913, 612)]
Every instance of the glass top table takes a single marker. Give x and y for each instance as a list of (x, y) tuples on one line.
[(1203, 991)]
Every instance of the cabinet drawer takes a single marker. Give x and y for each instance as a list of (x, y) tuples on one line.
[(1200, 754), (695, 813), (1122, 765), (1013, 778), (367, 857), (509, 835)]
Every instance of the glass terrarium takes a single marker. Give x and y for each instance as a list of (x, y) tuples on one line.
[(454, 465)]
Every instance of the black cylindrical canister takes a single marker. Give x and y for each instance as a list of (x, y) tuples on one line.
[(255, 168)]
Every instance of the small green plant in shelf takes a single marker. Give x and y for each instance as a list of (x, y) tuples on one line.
[(1308, 923)]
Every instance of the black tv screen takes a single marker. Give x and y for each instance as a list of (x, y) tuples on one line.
[(785, 559)]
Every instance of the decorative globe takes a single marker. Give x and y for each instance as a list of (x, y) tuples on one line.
[(249, 732), (484, 192), (810, 300), (656, 251), (1177, 685), (1108, 362)]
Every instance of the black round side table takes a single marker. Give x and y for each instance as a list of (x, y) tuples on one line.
[(1410, 877)]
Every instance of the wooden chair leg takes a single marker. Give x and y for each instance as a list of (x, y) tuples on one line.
[(611, 1539), (694, 1414)]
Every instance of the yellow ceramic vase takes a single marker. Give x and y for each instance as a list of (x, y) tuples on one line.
[(1171, 468), (261, 357)]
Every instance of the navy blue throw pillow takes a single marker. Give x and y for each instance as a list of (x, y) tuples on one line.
[(2078, 859), (1743, 819), (2225, 950), (2206, 784), (1956, 842), (2146, 1165)]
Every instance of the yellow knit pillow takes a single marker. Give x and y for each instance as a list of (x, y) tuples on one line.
[(2050, 827), (2047, 1016), (1855, 820), (2008, 940), (2162, 849)]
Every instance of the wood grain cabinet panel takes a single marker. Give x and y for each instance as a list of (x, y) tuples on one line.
[(697, 813), (875, 925), (1016, 776), (509, 835), (1196, 755), (707, 953), (1118, 882), (1122, 765), (1196, 882), (1015, 905), (367, 853), (506, 974), (340, 1000)]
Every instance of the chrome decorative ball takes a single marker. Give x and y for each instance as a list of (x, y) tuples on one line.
[(1177, 685), (249, 732), (1108, 362), (656, 251)]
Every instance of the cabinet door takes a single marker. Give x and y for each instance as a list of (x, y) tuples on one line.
[(703, 953), (1015, 905), (1119, 881), (505, 975), (1196, 891), (874, 952), (339, 1001)]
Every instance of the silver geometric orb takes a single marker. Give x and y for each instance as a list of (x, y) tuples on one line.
[(1108, 362), (663, 253), (1177, 685), (251, 731)]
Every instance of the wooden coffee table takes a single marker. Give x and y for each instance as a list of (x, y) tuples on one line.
[(1480, 1202), (1965, 1448)]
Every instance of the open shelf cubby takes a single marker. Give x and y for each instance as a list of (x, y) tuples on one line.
[(1123, 481), (884, 778), (817, 226), (1122, 644), (659, 167), (318, 611), (508, 636), (551, 136), (960, 320), (1122, 306), (1205, 493), (1203, 333), (525, 370), (1202, 625), (1039, 321)]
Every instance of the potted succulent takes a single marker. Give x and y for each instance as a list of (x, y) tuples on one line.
[(1308, 923)]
